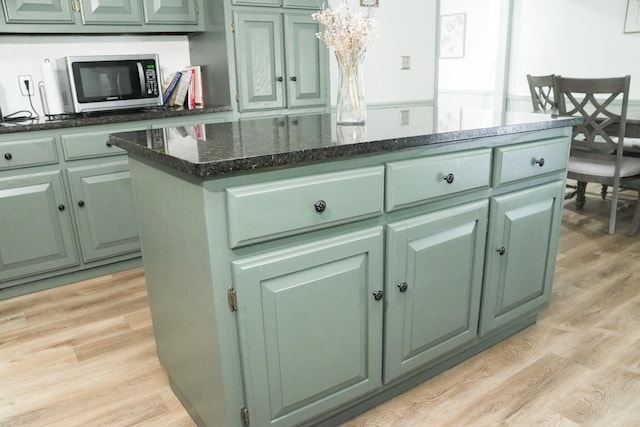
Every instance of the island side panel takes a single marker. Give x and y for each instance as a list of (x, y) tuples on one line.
[(178, 272)]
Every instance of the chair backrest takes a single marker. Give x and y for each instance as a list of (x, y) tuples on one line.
[(542, 95), (603, 104)]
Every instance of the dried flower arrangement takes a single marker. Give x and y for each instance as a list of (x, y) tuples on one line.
[(346, 31)]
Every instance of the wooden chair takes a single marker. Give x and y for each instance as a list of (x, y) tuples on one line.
[(597, 146), (542, 94)]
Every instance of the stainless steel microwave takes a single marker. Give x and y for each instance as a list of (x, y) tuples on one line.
[(109, 82)]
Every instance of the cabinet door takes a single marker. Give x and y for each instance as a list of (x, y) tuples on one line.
[(521, 253), (171, 11), (35, 226), (258, 2), (42, 11), (307, 4), (104, 206), (259, 58), (434, 282), (306, 61), (118, 12), (310, 327)]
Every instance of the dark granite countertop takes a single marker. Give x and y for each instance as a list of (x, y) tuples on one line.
[(251, 144), (117, 116)]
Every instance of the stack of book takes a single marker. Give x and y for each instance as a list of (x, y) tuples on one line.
[(183, 89)]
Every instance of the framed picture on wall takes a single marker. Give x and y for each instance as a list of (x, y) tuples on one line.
[(452, 29), (632, 20), (373, 3)]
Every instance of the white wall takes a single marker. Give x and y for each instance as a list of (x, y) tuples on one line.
[(476, 70), (576, 38), (23, 54), (408, 29)]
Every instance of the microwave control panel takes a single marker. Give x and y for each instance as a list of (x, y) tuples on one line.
[(151, 78)]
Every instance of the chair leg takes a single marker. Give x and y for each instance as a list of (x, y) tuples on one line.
[(614, 209), (580, 194), (603, 192)]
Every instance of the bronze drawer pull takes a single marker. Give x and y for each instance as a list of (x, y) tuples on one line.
[(8, 156), (320, 205), (540, 161), (449, 178)]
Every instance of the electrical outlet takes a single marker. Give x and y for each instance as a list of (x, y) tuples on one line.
[(24, 89), (406, 63)]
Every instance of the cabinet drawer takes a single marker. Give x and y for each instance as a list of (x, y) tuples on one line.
[(265, 211), (89, 144), (417, 180), (29, 152), (516, 162)]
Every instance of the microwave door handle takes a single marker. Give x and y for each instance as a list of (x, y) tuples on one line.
[(143, 86)]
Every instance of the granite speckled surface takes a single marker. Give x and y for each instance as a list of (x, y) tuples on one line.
[(76, 120), (251, 144)]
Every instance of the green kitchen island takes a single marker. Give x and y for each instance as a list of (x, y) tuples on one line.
[(301, 272)]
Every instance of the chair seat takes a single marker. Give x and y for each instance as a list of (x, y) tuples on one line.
[(630, 166)]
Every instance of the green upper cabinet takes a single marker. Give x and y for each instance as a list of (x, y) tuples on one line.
[(35, 227), (38, 11), (101, 16), (171, 11), (521, 253), (306, 4), (280, 62), (260, 60), (306, 61), (309, 312), (434, 279), (122, 12), (103, 202)]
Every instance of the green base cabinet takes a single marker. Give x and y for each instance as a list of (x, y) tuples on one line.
[(310, 326), (35, 226), (521, 253), (431, 307), (104, 206)]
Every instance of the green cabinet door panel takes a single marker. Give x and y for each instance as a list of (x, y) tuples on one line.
[(306, 61), (521, 252), (310, 327), (33, 11), (171, 11), (434, 282), (105, 212), (258, 2), (259, 57), (35, 227), (307, 4), (119, 12)]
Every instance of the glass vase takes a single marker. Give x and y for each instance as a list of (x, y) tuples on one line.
[(350, 107)]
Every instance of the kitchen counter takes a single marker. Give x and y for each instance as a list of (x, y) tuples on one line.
[(77, 120), (253, 144), (300, 272)]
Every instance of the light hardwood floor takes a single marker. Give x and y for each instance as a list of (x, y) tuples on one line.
[(84, 354)]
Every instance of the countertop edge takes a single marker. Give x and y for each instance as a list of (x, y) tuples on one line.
[(300, 157)]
